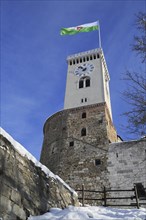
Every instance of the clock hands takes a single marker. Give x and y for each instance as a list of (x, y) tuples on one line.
[(82, 68), (86, 68)]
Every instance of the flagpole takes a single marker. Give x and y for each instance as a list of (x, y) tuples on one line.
[(99, 35)]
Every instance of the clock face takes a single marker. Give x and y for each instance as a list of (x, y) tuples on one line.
[(84, 69)]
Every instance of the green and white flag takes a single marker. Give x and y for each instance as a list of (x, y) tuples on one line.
[(81, 28)]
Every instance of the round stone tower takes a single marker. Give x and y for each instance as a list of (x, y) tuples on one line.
[(76, 139)]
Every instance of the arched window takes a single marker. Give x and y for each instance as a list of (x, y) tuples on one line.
[(84, 82), (87, 82), (81, 83), (83, 132)]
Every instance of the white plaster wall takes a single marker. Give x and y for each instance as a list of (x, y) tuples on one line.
[(106, 87), (95, 93)]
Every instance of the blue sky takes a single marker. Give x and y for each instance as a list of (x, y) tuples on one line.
[(33, 58)]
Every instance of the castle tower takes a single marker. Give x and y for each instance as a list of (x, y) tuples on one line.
[(87, 80), (76, 139)]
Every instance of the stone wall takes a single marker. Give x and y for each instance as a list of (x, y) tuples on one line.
[(126, 166), (127, 163), (26, 186), (95, 160), (79, 159)]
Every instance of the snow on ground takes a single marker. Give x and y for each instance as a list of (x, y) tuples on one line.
[(93, 213)]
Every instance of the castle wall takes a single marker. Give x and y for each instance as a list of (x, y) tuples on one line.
[(126, 166), (127, 163), (92, 160), (26, 186), (74, 157)]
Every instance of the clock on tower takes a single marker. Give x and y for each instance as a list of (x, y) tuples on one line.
[(87, 80), (84, 69), (76, 139)]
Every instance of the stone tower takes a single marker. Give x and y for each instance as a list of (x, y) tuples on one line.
[(76, 139)]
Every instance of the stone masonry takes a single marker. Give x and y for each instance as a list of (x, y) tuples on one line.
[(126, 165), (79, 159), (97, 159), (27, 189)]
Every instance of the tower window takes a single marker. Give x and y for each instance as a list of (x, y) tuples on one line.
[(80, 60), (88, 82), (64, 128), (83, 132), (81, 83), (87, 58), (84, 100), (100, 121), (53, 150), (94, 56), (90, 57), (71, 143), (97, 162), (71, 62), (97, 55), (84, 115), (84, 82)]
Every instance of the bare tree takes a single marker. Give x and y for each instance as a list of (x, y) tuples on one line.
[(135, 94), (139, 45)]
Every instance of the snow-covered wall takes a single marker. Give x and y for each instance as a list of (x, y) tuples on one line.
[(26, 186)]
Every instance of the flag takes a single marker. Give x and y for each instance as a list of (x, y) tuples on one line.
[(81, 28)]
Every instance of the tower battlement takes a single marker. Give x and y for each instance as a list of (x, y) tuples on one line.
[(85, 53)]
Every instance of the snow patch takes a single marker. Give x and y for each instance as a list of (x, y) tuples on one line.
[(22, 151), (93, 213)]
